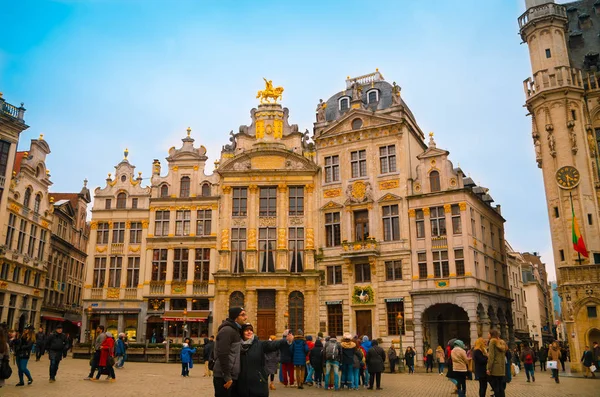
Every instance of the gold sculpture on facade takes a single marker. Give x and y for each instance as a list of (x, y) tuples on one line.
[(269, 92)]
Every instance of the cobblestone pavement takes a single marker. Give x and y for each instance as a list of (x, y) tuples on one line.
[(146, 379)]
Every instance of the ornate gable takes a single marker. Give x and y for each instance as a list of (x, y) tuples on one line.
[(389, 197), (331, 205), (269, 158), (368, 119)]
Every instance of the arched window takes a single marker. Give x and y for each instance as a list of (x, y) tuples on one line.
[(36, 204), (356, 124), (184, 187), (296, 311), (27, 198), (206, 189), (434, 181), (372, 96), (236, 299), (38, 171), (344, 103), (164, 191), (121, 200)]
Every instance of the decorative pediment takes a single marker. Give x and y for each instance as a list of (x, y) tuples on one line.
[(65, 207), (389, 197), (433, 152), (344, 124), (272, 159), (331, 205)]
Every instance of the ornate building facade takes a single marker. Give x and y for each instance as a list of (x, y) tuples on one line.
[(562, 100), (516, 263)]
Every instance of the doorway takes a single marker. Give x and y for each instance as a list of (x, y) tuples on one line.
[(364, 324), (265, 315)]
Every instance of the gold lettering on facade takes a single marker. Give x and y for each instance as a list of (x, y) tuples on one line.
[(389, 184), (330, 193)]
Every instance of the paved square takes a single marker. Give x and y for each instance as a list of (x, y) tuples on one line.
[(147, 379)]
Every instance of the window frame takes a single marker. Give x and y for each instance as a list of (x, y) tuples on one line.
[(161, 223), (202, 265), (267, 206), (296, 249), (434, 181), (135, 233), (346, 100), (296, 201), (333, 229), (114, 271), (133, 272), (459, 261), (358, 163), (267, 249), (437, 220), (181, 258), (422, 265), (391, 311), (371, 91), (203, 222), (334, 275), (99, 279), (185, 183), (391, 222), (387, 159), (102, 233), (121, 200), (118, 233), (335, 319), (362, 272), (456, 219), (332, 168), (441, 265), (239, 207), (183, 222), (238, 249), (392, 268), (159, 264)]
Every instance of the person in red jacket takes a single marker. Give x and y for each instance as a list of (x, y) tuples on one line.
[(309, 369), (107, 354)]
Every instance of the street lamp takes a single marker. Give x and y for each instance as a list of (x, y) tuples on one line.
[(88, 332), (184, 323), (401, 355)]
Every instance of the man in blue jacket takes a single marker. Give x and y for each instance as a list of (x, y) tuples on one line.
[(299, 352)]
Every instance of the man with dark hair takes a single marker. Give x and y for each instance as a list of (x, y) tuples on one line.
[(100, 337), (596, 352), (57, 346), (227, 351), (40, 344)]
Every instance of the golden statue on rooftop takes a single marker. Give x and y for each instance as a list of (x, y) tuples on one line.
[(269, 92)]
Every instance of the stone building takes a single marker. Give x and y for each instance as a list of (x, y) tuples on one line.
[(63, 293), (562, 100), (117, 248), (181, 252), (26, 233), (515, 264), (537, 299)]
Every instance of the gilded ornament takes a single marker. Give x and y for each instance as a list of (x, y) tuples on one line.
[(281, 238), (269, 92), (252, 239), (226, 189), (282, 188), (101, 249), (253, 188), (462, 205), (93, 225), (417, 187), (453, 182), (15, 207), (330, 193), (359, 189), (277, 129), (447, 208), (310, 188), (411, 213), (225, 239), (134, 248), (389, 184), (113, 293), (310, 238), (426, 211), (260, 129)]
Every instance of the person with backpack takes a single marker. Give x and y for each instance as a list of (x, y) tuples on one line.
[(120, 351), (310, 371), (528, 359), (315, 357), (299, 352), (209, 345), (332, 355), (348, 349), (57, 346), (227, 352), (392, 357)]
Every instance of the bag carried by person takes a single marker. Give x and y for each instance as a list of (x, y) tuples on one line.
[(552, 365), (528, 359), (5, 369), (331, 351), (593, 368), (110, 361), (515, 369)]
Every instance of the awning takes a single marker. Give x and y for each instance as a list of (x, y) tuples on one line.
[(53, 318), (190, 317)]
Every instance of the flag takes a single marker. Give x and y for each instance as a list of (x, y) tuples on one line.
[(578, 243)]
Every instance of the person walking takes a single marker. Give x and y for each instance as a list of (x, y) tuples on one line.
[(4, 354), (480, 359), (543, 356), (227, 351), (40, 344), (516, 357), (57, 346), (429, 360), (409, 358), (563, 358), (375, 364), (366, 345), (187, 362), (252, 379), (440, 358), (496, 368), (332, 354), (554, 355), (359, 360), (271, 364), (22, 348), (299, 352), (348, 349), (310, 371), (287, 362), (528, 359), (392, 357), (120, 351), (596, 351), (460, 366), (588, 360), (315, 357), (100, 337), (209, 345), (107, 358)]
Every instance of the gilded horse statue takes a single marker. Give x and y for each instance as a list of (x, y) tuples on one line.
[(269, 92)]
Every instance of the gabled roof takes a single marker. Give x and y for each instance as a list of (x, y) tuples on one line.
[(389, 197), (71, 197), (353, 113), (18, 159)]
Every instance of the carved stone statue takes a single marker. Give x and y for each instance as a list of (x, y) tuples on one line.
[(538, 152), (356, 91), (230, 147), (396, 94), (321, 111), (573, 137), (591, 144), (552, 144)]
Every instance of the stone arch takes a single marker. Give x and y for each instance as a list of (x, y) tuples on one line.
[(236, 299), (583, 303), (445, 321), (591, 336)]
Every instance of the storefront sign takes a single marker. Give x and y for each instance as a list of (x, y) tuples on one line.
[(333, 302), (391, 300)]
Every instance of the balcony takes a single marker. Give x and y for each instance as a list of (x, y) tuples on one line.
[(131, 293), (157, 287), (116, 249), (542, 11), (368, 247), (558, 77), (579, 274), (11, 110), (97, 293), (178, 287), (200, 288), (439, 242)]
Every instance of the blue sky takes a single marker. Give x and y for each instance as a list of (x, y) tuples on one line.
[(100, 75)]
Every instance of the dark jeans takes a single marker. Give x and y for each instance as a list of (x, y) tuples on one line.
[(39, 352), (54, 363), (497, 384), (543, 365), (220, 391), (185, 369), (555, 375), (562, 363), (392, 366), (318, 376), (529, 371), (94, 366), (375, 378), (483, 382), (461, 385), (110, 369), (22, 366)]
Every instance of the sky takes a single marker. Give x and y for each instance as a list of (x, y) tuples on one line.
[(99, 76)]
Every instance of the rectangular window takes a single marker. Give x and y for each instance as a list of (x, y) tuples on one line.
[(133, 271), (332, 229), (592, 312), (62, 229), (268, 201), (358, 163), (238, 250), (393, 270), (556, 214), (590, 221), (4, 272), (420, 222), (440, 264), (99, 272), (391, 222), (473, 230), (335, 320), (4, 152), (10, 232), (296, 207), (203, 222), (180, 264), (114, 271), (361, 225), (487, 268), (159, 265), (135, 232), (393, 309), (362, 272), (482, 220), (27, 277), (32, 240), (182, 222), (459, 262), (107, 204), (332, 169), (456, 222), (21, 237), (36, 280), (267, 244), (102, 233), (548, 53), (16, 274), (161, 223), (438, 221), (387, 159), (334, 275), (240, 201), (296, 249), (422, 263), (134, 203), (492, 236), (118, 234), (202, 264)]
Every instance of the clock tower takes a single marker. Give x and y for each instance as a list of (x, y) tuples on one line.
[(563, 100)]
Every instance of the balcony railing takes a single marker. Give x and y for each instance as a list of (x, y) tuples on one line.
[(439, 242), (579, 274), (544, 10), (96, 293), (131, 293), (200, 288), (157, 287), (116, 248), (558, 77), (11, 110), (370, 246)]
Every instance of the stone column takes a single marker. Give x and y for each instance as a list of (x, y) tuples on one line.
[(418, 339), (311, 316), (281, 307), (223, 234), (251, 305), (473, 330), (511, 334), (169, 277), (252, 230), (190, 272), (84, 325), (485, 326), (120, 324)]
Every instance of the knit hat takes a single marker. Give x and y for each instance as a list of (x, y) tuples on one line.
[(247, 326), (309, 338), (459, 343), (109, 335), (234, 312), (320, 334), (299, 332)]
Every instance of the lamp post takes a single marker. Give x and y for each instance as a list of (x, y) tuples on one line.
[(184, 323), (88, 332), (401, 355)]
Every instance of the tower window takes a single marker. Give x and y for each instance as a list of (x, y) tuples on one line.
[(556, 214), (590, 221), (573, 114), (562, 255), (344, 104), (548, 53)]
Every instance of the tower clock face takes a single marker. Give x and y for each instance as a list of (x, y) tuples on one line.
[(568, 177)]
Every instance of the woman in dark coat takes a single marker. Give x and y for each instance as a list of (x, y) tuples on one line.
[(315, 357), (375, 364), (252, 380), (409, 357), (271, 363), (480, 359)]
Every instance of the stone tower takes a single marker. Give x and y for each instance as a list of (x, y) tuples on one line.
[(563, 101)]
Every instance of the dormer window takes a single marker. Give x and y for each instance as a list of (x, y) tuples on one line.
[(206, 190), (184, 187), (164, 191), (344, 103), (434, 181), (372, 96), (27, 198), (121, 200), (37, 203)]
